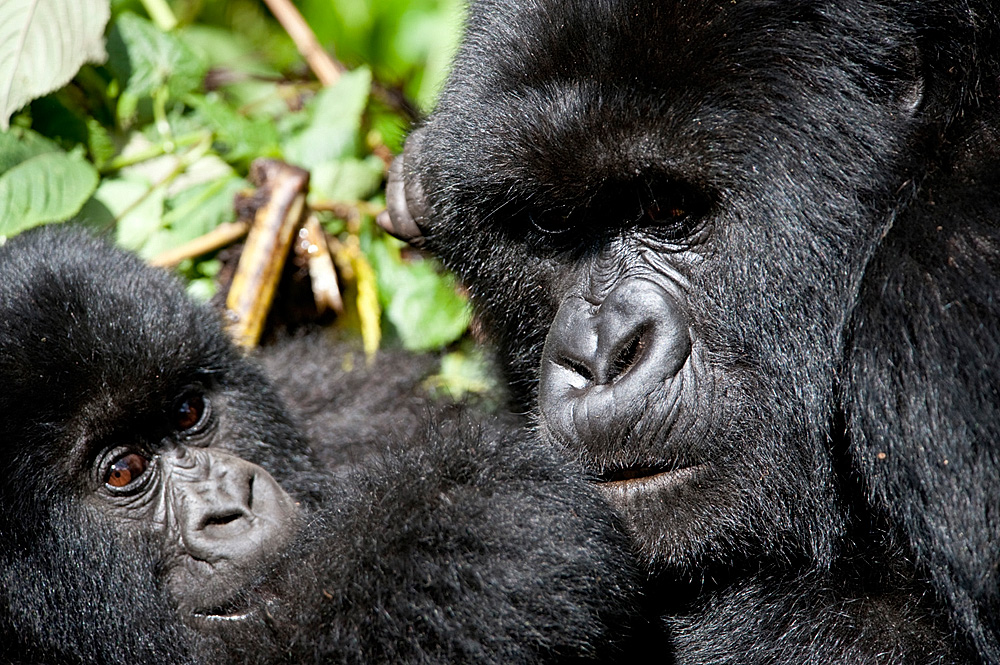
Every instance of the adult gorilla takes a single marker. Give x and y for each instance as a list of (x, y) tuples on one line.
[(743, 258), (158, 506)]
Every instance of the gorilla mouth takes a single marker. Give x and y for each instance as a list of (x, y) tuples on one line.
[(241, 615), (646, 478), (240, 608), (632, 473), (228, 612)]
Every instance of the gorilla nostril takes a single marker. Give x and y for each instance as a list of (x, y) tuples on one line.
[(626, 356), (221, 519), (577, 367)]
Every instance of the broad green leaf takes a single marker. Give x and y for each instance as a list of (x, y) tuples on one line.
[(426, 310), (49, 187), (145, 59), (335, 122), (18, 145), (43, 43), (347, 179), (136, 206), (421, 303)]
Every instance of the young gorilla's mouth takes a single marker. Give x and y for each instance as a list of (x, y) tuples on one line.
[(218, 615), (235, 610)]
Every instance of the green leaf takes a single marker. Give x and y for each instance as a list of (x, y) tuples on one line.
[(145, 59), (335, 122), (422, 303), (102, 148), (49, 187), (43, 43), (241, 138), (426, 310), (18, 145), (347, 179), (136, 206), (194, 212)]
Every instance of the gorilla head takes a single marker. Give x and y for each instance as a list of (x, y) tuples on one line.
[(173, 447), (702, 236)]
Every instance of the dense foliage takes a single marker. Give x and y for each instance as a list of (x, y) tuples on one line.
[(152, 142)]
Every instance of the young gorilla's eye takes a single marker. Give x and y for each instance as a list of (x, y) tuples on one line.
[(125, 470), (189, 412)]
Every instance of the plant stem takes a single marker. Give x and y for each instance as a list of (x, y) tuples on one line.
[(153, 151), (161, 14)]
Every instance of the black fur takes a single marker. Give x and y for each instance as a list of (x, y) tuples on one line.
[(460, 542), (831, 172)]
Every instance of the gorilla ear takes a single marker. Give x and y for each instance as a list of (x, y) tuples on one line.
[(406, 211)]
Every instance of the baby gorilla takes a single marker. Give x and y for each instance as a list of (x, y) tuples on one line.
[(157, 505)]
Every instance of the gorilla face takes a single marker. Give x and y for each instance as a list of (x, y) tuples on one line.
[(221, 518), (664, 219), (145, 417)]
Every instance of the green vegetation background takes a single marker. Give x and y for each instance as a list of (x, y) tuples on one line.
[(152, 144)]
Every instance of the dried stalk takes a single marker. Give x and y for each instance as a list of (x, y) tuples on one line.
[(327, 70)]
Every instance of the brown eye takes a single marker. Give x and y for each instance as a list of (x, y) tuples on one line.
[(125, 470), (655, 213), (189, 413)]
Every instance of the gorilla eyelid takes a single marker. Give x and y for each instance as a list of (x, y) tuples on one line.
[(551, 224), (675, 209)]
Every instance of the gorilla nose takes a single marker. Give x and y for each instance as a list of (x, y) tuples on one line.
[(406, 209), (601, 362), (233, 509)]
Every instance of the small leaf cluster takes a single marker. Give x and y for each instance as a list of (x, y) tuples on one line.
[(143, 119)]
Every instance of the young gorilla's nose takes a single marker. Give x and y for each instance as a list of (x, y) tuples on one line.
[(228, 508), (602, 361)]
